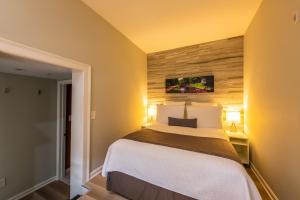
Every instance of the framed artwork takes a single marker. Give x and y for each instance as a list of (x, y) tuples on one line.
[(198, 84)]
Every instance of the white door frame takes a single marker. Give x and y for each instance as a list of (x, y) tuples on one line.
[(61, 128), (81, 96)]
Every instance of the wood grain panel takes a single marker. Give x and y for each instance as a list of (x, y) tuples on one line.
[(56, 190), (222, 58)]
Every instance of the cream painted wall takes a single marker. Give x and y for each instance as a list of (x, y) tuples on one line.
[(27, 132), (71, 29), (272, 95)]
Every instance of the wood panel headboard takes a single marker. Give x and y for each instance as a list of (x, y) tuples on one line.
[(222, 58)]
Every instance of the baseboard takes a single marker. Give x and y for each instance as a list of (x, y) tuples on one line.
[(33, 189), (266, 186), (96, 172), (65, 180)]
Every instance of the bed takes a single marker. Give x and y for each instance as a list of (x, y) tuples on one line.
[(166, 162)]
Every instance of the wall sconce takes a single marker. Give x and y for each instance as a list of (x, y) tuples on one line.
[(6, 90), (233, 117), (40, 92)]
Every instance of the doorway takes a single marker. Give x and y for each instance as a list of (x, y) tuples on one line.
[(64, 115), (67, 134), (81, 97)]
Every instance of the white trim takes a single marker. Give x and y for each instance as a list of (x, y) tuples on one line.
[(64, 180), (265, 185), (20, 50), (58, 132), (96, 172), (87, 124), (33, 189), (80, 140), (80, 160), (65, 82)]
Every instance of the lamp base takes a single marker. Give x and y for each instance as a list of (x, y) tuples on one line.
[(233, 127)]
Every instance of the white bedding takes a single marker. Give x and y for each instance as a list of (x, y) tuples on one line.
[(193, 174)]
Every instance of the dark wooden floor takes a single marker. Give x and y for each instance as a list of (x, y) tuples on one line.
[(56, 190), (60, 191), (100, 191), (262, 191)]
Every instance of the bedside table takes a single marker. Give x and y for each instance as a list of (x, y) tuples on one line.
[(240, 141)]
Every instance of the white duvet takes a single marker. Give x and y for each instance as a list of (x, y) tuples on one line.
[(197, 175)]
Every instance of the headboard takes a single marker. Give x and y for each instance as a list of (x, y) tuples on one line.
[(223, 59)]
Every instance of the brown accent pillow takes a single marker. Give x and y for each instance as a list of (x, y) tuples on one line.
[(192, 123)]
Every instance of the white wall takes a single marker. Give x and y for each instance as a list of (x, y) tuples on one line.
[(272, 95), (27, 132)]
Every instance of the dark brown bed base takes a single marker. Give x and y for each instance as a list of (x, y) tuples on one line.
[(136, 189)]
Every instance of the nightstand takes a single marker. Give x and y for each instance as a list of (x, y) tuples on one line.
[(240, 141)]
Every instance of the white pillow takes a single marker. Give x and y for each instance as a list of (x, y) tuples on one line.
[(175, 103), (203, 104), (207, 116), (165, 111)]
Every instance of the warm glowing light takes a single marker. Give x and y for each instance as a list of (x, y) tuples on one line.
[(233, 116), (145, 101), (151, 110)]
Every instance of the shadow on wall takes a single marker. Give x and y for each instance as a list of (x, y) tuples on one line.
[(27, 132)]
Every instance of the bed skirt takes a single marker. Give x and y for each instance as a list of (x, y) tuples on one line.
[(136, 189)]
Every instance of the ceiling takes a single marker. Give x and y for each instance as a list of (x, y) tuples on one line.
[(20, 66), (156, 25)]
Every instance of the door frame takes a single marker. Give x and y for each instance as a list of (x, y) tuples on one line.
[(61, 127), (81, 106)]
